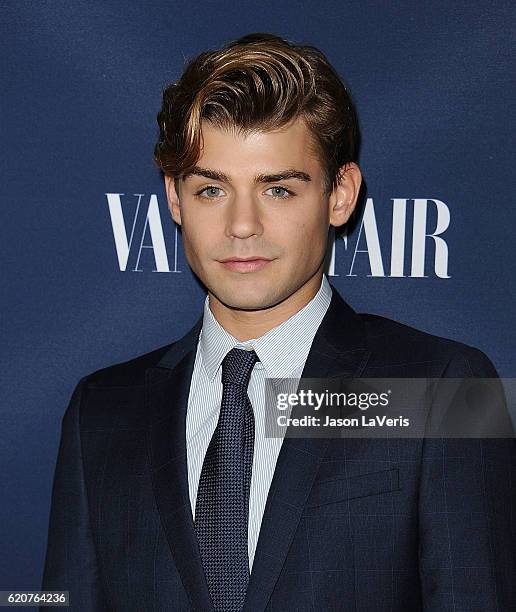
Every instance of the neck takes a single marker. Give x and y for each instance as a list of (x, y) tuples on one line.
[(248, 324)]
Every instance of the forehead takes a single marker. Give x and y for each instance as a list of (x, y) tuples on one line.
[(240, 153)]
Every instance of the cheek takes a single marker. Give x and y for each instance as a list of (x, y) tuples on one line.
[(195, 231), (193, 244), (302, 245), (305, 232)]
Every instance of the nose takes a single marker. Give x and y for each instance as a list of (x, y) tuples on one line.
[(243, 218)]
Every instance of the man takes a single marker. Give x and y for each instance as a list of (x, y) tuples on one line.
[(168, 495)]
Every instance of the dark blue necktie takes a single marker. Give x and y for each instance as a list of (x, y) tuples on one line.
[(222, 505)]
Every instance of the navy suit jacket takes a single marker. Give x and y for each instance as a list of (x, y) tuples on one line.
[(370, 525)]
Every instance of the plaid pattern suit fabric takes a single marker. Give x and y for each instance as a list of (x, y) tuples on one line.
[(349, 525)]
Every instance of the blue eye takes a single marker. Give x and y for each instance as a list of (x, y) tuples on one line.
[(211, 191), (279, 192)]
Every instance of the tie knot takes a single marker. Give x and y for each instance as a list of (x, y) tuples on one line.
[(237, 366)]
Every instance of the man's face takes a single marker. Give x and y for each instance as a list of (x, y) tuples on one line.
[(258, 195)]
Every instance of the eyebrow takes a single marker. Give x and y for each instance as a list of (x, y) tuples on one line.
[(283, 175)]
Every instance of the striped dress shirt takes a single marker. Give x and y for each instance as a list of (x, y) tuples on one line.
[(282, 352)]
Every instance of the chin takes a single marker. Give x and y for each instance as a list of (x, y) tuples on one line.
[(250, 303), (247, 298)]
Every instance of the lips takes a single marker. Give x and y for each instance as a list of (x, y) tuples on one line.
[(245, 264), (250, 258)]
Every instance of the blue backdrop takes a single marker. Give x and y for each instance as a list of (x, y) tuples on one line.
[(92, 277)]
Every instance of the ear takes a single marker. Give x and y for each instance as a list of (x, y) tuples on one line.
[(173, 199), (343, 198)]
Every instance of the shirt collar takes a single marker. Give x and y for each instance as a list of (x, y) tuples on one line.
[(281, 351)]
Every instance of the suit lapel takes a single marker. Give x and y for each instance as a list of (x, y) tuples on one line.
[(338, 350), (167, 389)]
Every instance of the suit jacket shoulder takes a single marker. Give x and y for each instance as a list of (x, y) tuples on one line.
[(391, 343), (130, 373), (378, 346), (399, 346)]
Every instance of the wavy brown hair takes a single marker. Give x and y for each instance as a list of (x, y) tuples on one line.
[(258, 82)]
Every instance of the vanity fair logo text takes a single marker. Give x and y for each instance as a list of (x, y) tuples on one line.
[(412, 244)]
